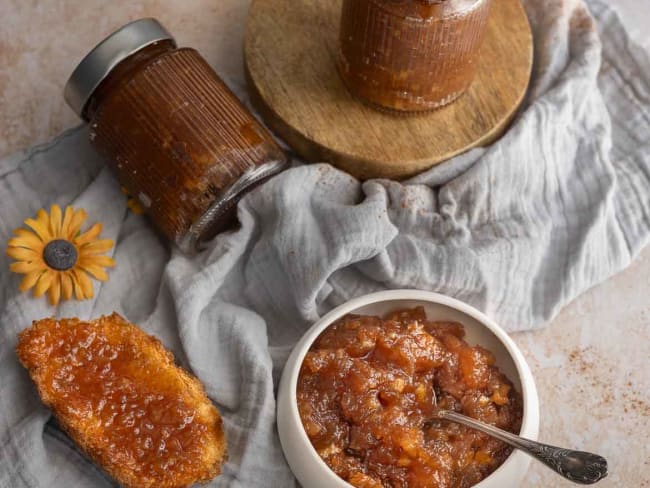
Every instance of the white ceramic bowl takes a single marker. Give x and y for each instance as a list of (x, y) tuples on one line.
[(311, 470)]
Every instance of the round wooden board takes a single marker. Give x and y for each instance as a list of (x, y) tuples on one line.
[(291, 50)]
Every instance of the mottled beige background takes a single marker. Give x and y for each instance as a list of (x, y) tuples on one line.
[(591, 364)]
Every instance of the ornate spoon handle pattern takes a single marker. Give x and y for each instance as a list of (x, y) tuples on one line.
[(577, 466)]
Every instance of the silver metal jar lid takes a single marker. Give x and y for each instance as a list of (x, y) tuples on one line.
[(99, 62)]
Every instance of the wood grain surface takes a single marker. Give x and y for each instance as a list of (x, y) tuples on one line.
[(290, 56)]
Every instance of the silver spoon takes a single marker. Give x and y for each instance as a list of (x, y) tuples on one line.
[(580, 467)]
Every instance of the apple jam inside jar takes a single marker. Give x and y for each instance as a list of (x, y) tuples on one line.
[(410, 55), (177, 138)]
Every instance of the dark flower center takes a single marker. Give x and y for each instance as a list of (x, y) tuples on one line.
[(60, 255)]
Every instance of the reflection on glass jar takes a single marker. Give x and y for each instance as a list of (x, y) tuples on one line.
[(177, 138), (410, 55)]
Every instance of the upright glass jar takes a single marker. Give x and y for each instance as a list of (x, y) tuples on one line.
[(410, 55), (178, 139)]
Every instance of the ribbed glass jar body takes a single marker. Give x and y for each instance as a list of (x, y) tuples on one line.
[(179, 140), (410, 55)]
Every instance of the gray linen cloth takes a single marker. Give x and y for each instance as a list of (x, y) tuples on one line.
[(517, 229)]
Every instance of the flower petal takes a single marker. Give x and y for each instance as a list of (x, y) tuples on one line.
[(21, 231), (43, 217), (82, 281), (95, 271), (78, 219), (55, 221), (99, 260), (54, 293), (26, 239), (30, 280), (41, 229), (96, 247), (78, 291), (65, 224), (23, 254), (67, 286), (24, 267), (89, 236), (44, 283)]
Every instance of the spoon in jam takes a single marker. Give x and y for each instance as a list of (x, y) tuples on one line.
[(580, 467)]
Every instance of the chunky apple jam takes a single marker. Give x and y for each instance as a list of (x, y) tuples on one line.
[(366, 399)]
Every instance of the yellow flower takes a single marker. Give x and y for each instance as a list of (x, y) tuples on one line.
[(56, 257)]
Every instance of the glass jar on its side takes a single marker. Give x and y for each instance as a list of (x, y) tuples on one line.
[(177, 138), (410, 55)]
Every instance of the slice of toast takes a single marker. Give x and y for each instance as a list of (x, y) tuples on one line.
[(118, 394)]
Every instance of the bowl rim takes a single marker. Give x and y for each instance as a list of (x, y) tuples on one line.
[(530, 418)]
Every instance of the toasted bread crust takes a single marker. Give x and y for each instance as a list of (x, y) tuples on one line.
[(118, 394)]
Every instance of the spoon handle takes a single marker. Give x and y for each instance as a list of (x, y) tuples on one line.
[(577, 466)]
